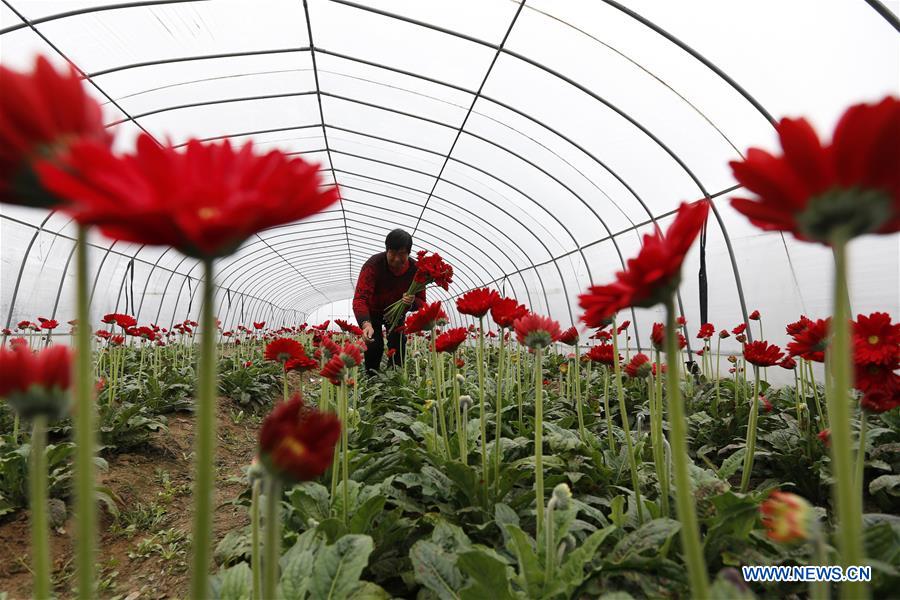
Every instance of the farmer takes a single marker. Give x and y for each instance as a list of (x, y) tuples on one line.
[(383, 280)]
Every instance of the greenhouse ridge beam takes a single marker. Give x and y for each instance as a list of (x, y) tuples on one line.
[(469, 112), (312, 51)]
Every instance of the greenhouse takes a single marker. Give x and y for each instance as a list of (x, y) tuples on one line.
[(449, 299)]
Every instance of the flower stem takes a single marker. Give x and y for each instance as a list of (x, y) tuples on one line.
[(623, 414), (205, 440), (750, 445), (846, 498), (255, 558), (861, 453), (481, 412), (609, 429), (85, 440), (272, 543), (498, 423), (578, 408), (715, 407), (40, 530), (345, 452), (538, 440), (684, 497), (656, 434)]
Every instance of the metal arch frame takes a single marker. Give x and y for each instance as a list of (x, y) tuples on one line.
[(362, 248), (598, 98), (256, 261), (455, 220), (490, 142), (15, 294), (312, 51), (718, 218), (261, 275), (59, 234), (88, 10), (462, 125), (264, 275)]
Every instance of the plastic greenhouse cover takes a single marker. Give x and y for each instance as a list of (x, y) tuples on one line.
[(531, 145)]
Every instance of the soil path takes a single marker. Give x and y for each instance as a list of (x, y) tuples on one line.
[(144, 553)]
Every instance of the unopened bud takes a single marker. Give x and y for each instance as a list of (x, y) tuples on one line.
[(561, 497), (465, 402), (460, 378)]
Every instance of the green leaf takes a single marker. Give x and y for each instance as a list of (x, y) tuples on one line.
[(531, 573), (731, 464), (651, 536), (237, 583), (889, 484), (311, 500), (363, 516), (366, 590), (337, 567), (571, 572), (617, 513), (489, 576), (436, 569), (295, 575)]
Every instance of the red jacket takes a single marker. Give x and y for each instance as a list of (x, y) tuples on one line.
[(377, 288)]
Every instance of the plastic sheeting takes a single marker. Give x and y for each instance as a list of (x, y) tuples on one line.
[(531, 144)]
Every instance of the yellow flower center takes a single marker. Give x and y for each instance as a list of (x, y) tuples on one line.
[(873, 339), (207, 212), (293, 446)]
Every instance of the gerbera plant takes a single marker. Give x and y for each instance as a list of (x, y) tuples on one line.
[(205, 201), (649, 279), (43, 114), (537, 333), (830, 193)]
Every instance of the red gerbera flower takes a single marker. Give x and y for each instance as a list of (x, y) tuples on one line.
[(788, 363), (351, 355), (707, 330), (426, 318), (391, 352), (297, 443), (639, 366), (602, 354), (796, 327), (658, 337), (477, 302), (623, 327), (48, 323), (754, 316), (335, 370), (36, 384), (259, 325), (812, 341), (41, 114), (812, 190), (450, 340), (762, 354), (681, 321), (283, 349), (724, 334), (433, 269), (505, 311), (534, 331), (204, 201), (876, 339), (653, 275), (300, 364), (825, 437), (569, 337), (739, 329)]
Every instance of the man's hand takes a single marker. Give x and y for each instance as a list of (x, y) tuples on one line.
[(368, 331), (408, 299)]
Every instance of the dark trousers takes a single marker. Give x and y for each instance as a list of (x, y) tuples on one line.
[(375, 348)]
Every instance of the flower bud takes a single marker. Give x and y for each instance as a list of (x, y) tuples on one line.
[(561, 496), (465, 402), (460, 378), (786, 517)]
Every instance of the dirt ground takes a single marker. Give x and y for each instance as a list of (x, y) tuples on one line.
[(144, 553)]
